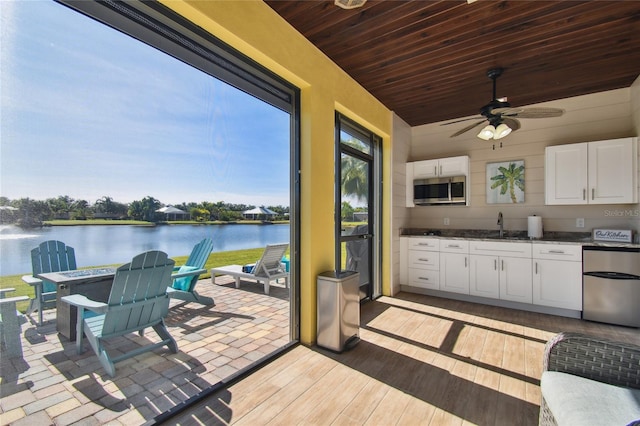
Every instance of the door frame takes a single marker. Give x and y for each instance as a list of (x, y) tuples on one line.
[(374, 202)]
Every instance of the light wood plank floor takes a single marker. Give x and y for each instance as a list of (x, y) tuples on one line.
[(422, 361)]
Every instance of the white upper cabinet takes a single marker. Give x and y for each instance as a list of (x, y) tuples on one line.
[(602, 172), (566, 174), (442, 167), (612, 168)]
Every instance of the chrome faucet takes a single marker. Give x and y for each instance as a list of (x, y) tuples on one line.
[(501, 223)]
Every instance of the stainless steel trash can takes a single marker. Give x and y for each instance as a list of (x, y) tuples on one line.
[(338, 310)]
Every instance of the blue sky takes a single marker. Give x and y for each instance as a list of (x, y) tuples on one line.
[(89, 112)]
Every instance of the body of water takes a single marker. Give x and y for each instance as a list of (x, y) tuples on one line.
[(116, 244)]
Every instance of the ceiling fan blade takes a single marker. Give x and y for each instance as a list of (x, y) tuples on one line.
[(466, 129), (512, 123), (529, 112), (461, 120), (506, 111)]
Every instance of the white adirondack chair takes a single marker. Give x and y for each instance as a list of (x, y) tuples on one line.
[(267, 269)]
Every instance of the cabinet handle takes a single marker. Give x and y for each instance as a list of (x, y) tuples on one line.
[(422, 259), (453, 245), (557, 251), (584, 194), (423, 244), (536, 268), (440, 169), (593, 193), (502, 265), (423, 278), (435, 170), (465, 261), (495, 264)]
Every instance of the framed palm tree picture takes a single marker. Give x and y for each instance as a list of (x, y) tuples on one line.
[(505, 182)]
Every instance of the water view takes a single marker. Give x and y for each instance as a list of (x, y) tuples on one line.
[(105, 245)]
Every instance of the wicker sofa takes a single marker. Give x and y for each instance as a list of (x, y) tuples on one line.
[(590, 381)]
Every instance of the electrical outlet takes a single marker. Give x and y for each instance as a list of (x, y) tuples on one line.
[(580, 222), (446, 221)]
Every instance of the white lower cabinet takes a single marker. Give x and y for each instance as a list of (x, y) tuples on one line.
[(420, 262), (501, 270), (424, 278), (557, 276), (533, 273), (484, 276), (454, 266), (515, 279)]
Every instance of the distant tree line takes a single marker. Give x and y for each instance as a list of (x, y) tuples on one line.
[(29, 212)]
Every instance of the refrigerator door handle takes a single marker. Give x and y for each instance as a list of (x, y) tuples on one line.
[(613, 275)]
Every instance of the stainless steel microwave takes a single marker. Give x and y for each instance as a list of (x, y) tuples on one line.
[(439, 191)]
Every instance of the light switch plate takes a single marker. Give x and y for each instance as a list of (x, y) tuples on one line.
[(446, 221), (580, 222)]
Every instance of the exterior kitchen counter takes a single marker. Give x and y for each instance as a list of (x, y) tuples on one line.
[(582, 238)]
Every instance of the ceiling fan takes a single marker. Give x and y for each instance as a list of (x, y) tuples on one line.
[(501, 117)]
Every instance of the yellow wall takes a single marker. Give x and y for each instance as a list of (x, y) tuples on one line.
[(254, 29)]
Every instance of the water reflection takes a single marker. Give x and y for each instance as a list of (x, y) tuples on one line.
[(105, 245)]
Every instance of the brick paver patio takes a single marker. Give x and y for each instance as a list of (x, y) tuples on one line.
[(51, 384)]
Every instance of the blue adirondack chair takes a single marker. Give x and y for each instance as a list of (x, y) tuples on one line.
[(138, 300), (49, 256), (186, 276)]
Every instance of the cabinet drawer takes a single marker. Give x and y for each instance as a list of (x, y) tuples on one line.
[(424, 278), (428, 244), (424, 260), (501, 248), (454, 246), (557, 252)]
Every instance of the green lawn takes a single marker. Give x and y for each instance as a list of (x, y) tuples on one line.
[(237, 257)]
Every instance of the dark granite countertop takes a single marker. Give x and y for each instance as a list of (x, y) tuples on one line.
[(583, 238)]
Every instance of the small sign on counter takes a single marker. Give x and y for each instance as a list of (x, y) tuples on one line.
[(612, 235)]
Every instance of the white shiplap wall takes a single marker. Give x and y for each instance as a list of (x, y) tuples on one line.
[(400, 214), (605, 115)]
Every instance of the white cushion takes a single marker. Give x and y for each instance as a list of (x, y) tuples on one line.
[(575, 400)]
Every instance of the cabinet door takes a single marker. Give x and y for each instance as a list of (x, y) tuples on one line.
[(454, 272), (557, 283), (453, 166), (484, 276), (515, 279), (566, 174), (611, 172), (425, 169)]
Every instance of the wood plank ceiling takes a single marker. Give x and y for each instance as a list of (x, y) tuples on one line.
[(427, 60)]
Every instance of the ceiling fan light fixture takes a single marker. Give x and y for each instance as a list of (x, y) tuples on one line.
[(349, 4), (501, 131), (487, 132)]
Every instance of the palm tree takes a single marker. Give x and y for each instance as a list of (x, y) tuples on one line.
[(509, 179), (354, 180)]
